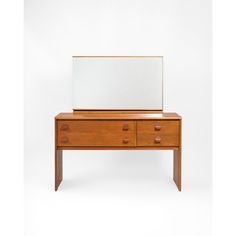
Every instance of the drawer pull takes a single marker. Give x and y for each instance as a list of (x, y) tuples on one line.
[(157, 140), (64, 127), (157, 127), (64, 140), (126, 140), (125, 127)]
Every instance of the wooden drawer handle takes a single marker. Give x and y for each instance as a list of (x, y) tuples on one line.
[(157, 127), (125, 127), (64, 127), (157, 140), (64, 140), (126, 140)]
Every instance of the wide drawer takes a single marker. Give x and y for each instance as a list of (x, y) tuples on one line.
[(158, 133), (95, 133)]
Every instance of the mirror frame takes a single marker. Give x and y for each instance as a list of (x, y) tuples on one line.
[(124, 110)]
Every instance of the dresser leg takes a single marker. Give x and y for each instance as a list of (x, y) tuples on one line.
[(58, 168), (177, 168)]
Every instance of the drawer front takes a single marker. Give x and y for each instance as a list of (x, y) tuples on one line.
[(95, 133), (158, 133)]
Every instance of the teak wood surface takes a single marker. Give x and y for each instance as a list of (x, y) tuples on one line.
[(96, 133), (117, 115), (166, 133), (118, 130)]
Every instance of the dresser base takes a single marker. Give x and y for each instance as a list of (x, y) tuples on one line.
[(118, 131)]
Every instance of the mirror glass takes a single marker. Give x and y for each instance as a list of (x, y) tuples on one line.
[(117, 82)]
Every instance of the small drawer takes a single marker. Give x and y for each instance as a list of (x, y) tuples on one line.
[(158, 133), (95, 133)]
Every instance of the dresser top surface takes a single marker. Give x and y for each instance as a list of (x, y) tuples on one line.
[(118, 115)]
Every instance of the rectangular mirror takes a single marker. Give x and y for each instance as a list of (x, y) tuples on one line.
[(118, 82)]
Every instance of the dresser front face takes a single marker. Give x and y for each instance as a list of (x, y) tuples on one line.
[(95, 133), (158, 133), (118, 131)]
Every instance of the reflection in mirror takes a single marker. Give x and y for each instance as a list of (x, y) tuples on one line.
[(117, 83)]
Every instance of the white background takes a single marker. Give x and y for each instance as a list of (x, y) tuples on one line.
[(117, 192), (11, 171), (11, 102)]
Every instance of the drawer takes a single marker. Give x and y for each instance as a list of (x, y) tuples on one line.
[(158, 133), (95, 133)]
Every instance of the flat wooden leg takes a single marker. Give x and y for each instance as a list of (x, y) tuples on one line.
[(177, 168), (58, 168)]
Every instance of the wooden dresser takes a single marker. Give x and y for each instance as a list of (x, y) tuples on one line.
[(118, 130)]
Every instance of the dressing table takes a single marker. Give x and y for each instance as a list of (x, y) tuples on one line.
[(118, 129)]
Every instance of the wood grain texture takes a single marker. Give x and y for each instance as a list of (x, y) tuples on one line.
[(110, 130), (121, 115), (158, 133), (58, 161), (58, 168), (96, 133), (177, 161), (177, 168), (115, 148)]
